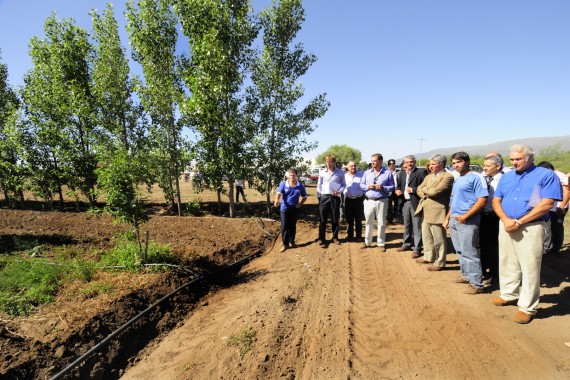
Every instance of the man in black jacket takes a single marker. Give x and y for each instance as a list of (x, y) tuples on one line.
[(407, 185)]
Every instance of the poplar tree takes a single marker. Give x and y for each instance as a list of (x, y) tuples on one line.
[(220, 34), (59, 105), (12, 173), (282, 129), (153, 36), (123, 167)]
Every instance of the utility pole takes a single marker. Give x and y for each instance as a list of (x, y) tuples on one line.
[(420, 154)]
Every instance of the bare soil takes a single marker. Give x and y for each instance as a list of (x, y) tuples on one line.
[(308, 313)]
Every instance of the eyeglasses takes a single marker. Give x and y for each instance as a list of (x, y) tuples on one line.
[(391, 163)]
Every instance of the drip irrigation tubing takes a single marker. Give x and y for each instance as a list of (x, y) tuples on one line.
[(105, 341)]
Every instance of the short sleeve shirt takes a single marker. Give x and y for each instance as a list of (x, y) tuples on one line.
[(516, 189), (290, 195), (466, 190)]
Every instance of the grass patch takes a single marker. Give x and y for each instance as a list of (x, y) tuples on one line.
[(94, 290), (128, 255), (27, 284), (244, 340)]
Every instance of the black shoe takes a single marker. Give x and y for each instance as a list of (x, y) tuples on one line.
[(293, 244)]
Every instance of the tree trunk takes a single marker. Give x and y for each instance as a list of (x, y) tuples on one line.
[(178, 198), (231, 182)]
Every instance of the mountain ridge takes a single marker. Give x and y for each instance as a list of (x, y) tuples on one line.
[(536, 143)]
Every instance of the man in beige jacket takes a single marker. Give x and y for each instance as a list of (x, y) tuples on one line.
[(434, 193)]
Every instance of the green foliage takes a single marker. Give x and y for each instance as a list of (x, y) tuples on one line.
[(194, 207), (245, 340), (343, 153), (12, 172), (59, 109), (281, 126), (153, 37), (220, 34), (27, 284), (128, 254), (120, 179)]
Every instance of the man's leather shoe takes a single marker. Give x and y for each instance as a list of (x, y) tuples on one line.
[(415, 255), (460, 280), (522, 317), (364, 246), (293, 244), (381, 248), (473, 290), (433, 268), (422, 261), (320, 243), (335, 241), (501, 302), (404, 248)]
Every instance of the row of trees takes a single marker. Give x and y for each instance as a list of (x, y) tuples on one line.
[(83, 121)]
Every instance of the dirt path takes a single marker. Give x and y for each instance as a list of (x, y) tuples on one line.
[(343, 312)]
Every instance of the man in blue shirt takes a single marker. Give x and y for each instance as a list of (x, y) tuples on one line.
[(330, 186), (353, 202), (522, 200), (468, 197), (377, 182)]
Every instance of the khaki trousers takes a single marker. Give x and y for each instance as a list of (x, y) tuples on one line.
[(434, 239), (520, 258)]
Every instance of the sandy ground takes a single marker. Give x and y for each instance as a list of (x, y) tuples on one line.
[(343, 312)]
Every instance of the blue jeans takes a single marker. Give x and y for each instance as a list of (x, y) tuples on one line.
[(465, 238)]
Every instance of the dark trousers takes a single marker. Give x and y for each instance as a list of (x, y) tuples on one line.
[(239, 190), (289, 219), (328, 205), (489, 244), (554, 237), (393, 207), (354, 208)]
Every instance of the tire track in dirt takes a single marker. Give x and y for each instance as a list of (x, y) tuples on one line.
[(345, 313)]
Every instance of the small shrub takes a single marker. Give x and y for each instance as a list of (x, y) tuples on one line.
[(127, 255), (194, 207), (244, 340)]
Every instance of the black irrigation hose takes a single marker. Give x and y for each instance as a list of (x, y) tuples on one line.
[(104, 342)]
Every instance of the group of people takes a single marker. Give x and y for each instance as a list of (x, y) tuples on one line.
[(500, 222)]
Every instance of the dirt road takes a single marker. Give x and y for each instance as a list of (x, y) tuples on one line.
[(343, 312)]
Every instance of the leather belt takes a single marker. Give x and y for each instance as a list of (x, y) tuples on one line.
[(374, 199), (358, 196)]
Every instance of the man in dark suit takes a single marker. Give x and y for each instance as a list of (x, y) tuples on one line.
[(406, 189)]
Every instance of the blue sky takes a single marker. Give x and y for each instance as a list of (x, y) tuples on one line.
[(400, 74)]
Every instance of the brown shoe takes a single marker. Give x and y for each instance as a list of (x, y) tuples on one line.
[(522, 317), (415, 255), (335, 241), (473, 290), (501, 302), (460, 280), (381, 248), (404, 248), (422, 261), (283, 248), (433, 268)]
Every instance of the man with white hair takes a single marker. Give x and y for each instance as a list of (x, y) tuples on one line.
[(521, 201)]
